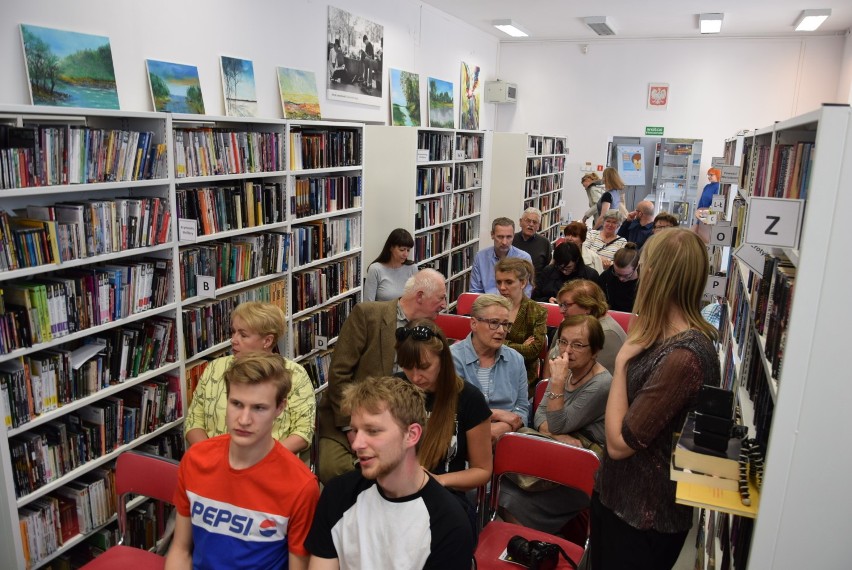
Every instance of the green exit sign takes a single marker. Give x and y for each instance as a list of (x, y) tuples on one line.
[(653, 131)]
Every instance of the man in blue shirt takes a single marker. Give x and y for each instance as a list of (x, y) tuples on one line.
[(482, 278)]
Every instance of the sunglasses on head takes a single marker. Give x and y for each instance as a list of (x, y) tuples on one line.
[(417, 333)]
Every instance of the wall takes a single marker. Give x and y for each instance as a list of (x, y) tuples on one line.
[(272, 33), (718, 86)]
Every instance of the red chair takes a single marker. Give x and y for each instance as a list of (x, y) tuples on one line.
[(540, 389), (464, 303), (141, 474), (623, 319), (455, 327), (554, 315), (544, 458)]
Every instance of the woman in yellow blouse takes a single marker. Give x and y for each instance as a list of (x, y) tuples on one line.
[(254, 326)]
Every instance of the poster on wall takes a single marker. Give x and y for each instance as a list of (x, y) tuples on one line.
[(631, 164), (405, 98), (355, 51), (658, 96), (298, 91), (238, 86), (470, 97), (69, 69), (441, 104), (175, 88)]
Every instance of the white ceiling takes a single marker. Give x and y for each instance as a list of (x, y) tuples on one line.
[(563, 19)]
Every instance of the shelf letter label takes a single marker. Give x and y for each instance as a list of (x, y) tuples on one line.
[(460, 155), (320, 342), (730, 174), (205, 285), (422, 155), (718, 203), (774, 222), (187, 230), (722, 235), (752, 255), (715, 286)]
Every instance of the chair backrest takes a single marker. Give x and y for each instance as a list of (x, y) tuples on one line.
[(313, 457), (554, 315), (143, 474), (555, 461), (464, 304), (540, 389), (456, 327), (623, 319)]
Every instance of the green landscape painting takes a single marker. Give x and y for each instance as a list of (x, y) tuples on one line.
[(69, 69), (441, 104), (405, 98), (298, 90), (175, 87)]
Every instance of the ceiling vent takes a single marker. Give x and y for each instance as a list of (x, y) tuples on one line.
[(599, 25)]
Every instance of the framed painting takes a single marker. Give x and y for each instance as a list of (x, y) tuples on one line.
[(175, 88), (441, 104), (238, 85), (470, 97), (298, 91), (405, 98), (354, 55)]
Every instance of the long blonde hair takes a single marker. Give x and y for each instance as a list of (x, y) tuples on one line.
[(675, 267)]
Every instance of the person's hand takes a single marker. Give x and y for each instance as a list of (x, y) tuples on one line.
[(565, 438), (632, 215), (559, 372), (606, 262), (498, 429), (530, 339), (553, 300)]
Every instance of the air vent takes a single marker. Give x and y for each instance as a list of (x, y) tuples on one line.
[(599, 25)]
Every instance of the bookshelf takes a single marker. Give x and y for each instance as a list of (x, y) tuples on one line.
[(677, 174), (529, 170), (781, 339), (428, 181)]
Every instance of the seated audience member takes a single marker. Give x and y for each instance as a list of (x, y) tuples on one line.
[(388, 273), (639, 224), (568, 264), (606, 242), (572, 411), (620, 282), (245, 472), (391, 513), (576, 233), (528, 334), (496, 370), (582, 297), (255, 327), (529, 240), (664, 220), (365, 348), (482, 273)]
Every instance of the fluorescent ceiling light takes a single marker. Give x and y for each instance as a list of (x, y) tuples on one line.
[(511, 28), (710, 23), (810, 20), (599, 25)]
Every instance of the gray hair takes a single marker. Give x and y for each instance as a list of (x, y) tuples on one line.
[(427, 280), (612, 214), (531, 210), (489, 300)]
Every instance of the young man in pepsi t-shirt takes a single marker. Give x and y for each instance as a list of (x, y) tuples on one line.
[(243, 500)]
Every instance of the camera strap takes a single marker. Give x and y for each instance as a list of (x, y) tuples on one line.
[(565, 555)]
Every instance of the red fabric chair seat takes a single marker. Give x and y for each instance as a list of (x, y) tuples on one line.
[(494, 541), (127, 558)]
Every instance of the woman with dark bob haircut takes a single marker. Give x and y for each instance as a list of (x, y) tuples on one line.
[(567, 265), (388, 273)]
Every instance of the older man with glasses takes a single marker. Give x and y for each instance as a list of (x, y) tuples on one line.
[(530, 241), (497, 370)]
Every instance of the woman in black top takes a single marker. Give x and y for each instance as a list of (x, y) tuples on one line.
[(567, 265), (621, 281)]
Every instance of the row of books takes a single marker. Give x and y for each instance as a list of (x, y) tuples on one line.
[(440, 264), (49, 308), (470, 144), (49, 379), (434, 180), (50, 155), (326, 323), (431, 212), (324, 149), (233, 207), (211, 152), (462, 259), (317, 366), (238, 259), (780, 172), (314, 196), (325, 238), (440, 145), (546, 203), (459, 285), (539, 166), (319, 284), (532, 187), (464, 204), (546, 145), (431, 243), (462, 232), (468, 175)]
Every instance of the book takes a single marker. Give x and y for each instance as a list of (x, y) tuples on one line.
[(689, 455), (698, 478)]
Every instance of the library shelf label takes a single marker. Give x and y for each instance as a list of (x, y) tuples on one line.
[(320, 342), (187, 230), (722, 235), (717, 202), (775, 222), (752, 255), (717, 162), (422, 155), (206, 286), (716, 286), (730, 174), (460, 155)]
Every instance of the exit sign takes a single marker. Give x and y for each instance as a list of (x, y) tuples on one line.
[(653, 131)]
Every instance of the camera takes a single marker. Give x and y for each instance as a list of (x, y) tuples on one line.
[(534, 554)]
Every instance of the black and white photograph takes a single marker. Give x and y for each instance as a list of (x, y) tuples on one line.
[(355, 50)]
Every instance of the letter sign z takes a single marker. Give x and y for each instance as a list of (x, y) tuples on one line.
[(775, 220)]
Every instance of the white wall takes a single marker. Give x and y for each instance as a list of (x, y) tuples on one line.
[(718, 86), (288, 33)]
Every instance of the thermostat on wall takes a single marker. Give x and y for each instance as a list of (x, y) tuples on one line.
[(501, 92)]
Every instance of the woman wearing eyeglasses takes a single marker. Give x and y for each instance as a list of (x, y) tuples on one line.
[(568, 264), (456, 447), (668, 356), (572, 411), (606, 242), (496, 370), (528, 334), (663, 221), (621, 280)]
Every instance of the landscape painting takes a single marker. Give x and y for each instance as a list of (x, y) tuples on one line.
[(298, 90), (441, 104), (175, 87), (69, 69), (470, 96), (405, 98), (238, 85), (354, 53)]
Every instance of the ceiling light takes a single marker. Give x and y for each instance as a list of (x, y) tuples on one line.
[(511, 28), (810, 20), (599, 25), (710, 23)]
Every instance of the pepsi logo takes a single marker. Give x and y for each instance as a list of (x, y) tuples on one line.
[(267, 528)]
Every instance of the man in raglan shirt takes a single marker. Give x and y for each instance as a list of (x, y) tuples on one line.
[(391, 513), (243, 501)]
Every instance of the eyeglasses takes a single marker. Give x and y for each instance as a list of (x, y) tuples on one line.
[(661, 226), (566, 306), (495, 324), (417, 333), (624, 277), (574, 345), (564, 266)]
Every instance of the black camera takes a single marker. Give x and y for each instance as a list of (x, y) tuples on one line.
[(534, 554)]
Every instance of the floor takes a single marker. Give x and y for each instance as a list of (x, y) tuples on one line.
[(687, 555)]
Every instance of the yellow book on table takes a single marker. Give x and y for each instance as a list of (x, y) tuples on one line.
[(717, 500)]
